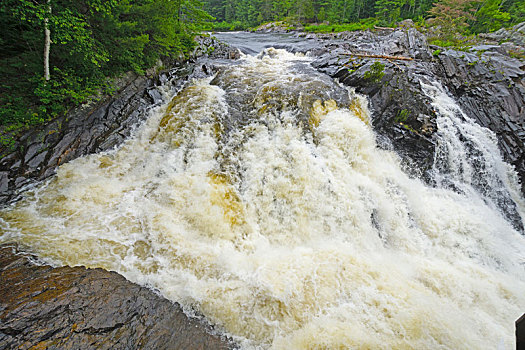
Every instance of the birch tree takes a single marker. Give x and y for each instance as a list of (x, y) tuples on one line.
[(47, 41)]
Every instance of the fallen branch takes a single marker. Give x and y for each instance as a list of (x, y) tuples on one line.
[(384, 28), (386, 57)]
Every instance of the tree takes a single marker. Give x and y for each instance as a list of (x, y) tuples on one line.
[(80, 44), (321, 16), (47, 42), (489, 17), (388, 11), (452, 16)]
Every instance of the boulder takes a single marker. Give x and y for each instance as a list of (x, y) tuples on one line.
[(45, 307), (520, 333)]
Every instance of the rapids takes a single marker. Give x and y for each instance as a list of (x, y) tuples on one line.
[(259, 199)]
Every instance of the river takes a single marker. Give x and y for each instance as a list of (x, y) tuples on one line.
[(260, 199)]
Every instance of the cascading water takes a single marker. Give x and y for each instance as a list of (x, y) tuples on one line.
[(260, 199), (468, 160)]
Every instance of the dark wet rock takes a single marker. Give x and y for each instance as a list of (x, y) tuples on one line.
[(42, 307), (4, 181), (210, 47), (402, 114), (520, 333), (490, 88), (277, 27)]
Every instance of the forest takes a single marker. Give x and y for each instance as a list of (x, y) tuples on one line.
[(470, 16), (55, 54), (88, 43)]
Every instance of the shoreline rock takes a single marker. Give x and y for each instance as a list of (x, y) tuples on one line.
[(99, 126), (77, 308), (86, 129)]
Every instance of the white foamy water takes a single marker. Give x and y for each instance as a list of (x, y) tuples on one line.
[(468, 157), (285, 226)]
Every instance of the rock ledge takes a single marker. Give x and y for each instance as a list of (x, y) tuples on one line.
[(42, 307)]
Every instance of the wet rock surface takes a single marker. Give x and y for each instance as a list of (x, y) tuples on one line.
[(488, 85), (520, 333), (490, 88), (402, 115), (42, 307)]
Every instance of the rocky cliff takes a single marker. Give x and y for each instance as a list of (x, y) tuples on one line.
[(486, 82)]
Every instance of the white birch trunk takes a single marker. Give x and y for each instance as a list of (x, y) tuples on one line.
[(47, 43)]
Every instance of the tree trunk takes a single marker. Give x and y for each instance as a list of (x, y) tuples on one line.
[(47, 42)]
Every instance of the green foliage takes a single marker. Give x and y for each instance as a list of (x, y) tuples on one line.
[(490, 17), (451, 17), (375, 73), (402, 116), (442, 43), (321, 16), (92, 40), (388, 11), (516, 10), (436, 53)]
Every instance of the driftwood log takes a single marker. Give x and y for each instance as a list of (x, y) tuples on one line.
[(386, 57)]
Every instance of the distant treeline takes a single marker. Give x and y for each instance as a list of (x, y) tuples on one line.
[(477, 15)]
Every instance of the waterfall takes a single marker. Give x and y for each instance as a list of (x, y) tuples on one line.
[(468, 159), (259, 199)]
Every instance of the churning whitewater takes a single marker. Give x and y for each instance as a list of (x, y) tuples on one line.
[(259, 198)]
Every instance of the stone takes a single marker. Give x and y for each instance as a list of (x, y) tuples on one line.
[(155, 95), (32, 150), (520, 333), (77, 308), (4, 181), (37, 160)]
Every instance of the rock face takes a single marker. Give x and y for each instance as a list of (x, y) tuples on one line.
[(42, 307), (403, 116), (487, 84), (490, 88)]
